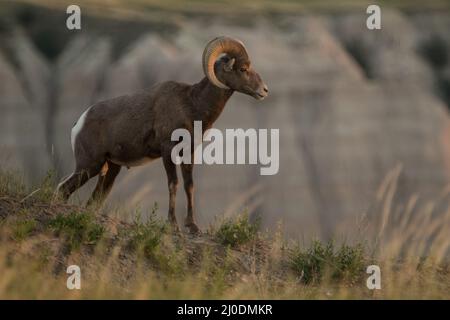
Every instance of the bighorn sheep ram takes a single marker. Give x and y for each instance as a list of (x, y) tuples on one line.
[(133, 129)]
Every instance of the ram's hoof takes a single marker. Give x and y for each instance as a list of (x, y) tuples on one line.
[(174, 227), (192, 227)]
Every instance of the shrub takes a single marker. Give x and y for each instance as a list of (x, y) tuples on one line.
[(78, 228), (22, 228), (147, 236), (324, 260), (237, 232)]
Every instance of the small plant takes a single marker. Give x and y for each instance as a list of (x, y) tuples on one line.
[(11, 183), (78, 228), (21, 229), (238, 231), (324, 260), (146, 236), (170, 261), (351, 262), (47, 187)]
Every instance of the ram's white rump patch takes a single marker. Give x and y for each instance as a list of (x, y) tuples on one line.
[(77, 128)]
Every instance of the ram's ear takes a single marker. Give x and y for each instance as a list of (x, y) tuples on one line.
[(229, 65)]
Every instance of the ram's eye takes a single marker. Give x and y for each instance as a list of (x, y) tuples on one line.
[(243, 69)]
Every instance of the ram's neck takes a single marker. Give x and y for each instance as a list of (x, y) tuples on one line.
[(208, 102)]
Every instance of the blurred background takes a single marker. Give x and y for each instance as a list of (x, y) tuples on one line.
[(356, 108)]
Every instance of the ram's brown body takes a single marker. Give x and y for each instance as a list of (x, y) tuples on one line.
[(132, 128)]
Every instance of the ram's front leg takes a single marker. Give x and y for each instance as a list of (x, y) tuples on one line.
[(172, 181), (186, 170)]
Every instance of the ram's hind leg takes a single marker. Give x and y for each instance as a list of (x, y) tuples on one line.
[(105, 182), (76, 180)]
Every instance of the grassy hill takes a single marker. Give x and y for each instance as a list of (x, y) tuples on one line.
[(40, 237)]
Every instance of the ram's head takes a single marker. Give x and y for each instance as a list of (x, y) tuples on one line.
[(227, 66)]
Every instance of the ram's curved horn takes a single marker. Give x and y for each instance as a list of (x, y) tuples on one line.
[(233, 47)]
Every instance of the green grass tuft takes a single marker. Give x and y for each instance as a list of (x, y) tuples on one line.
[(78, 228), (319, 261), (21, 229), (238, 231), (146, 236)]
